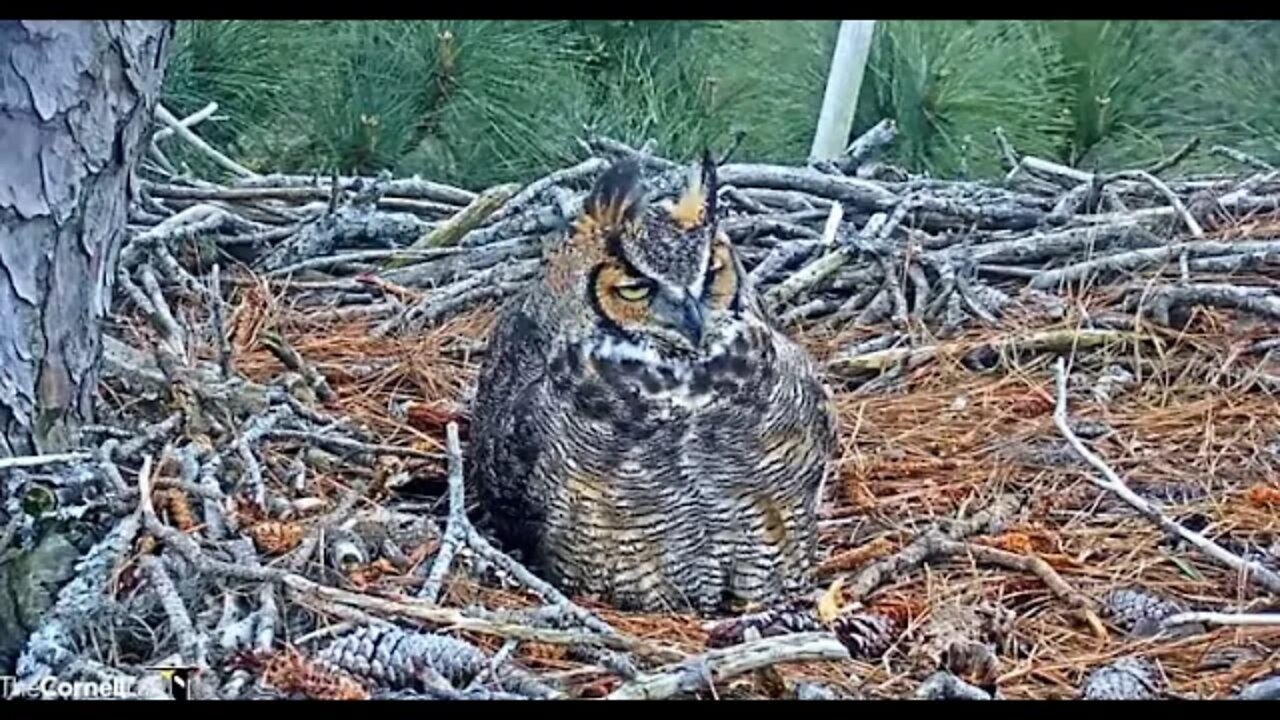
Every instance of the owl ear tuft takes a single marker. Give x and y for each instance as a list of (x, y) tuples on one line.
[(615, 198), (697, 204), (710, 186)]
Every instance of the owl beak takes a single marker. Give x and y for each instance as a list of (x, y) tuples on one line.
[(684, 315), (691, 320)]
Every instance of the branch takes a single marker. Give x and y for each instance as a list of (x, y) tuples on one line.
[(455, 534), (1113, 483), (1168, 194), (1222, 619), (188, 122), (928, 545), (450, 231), (1038, 567), (30, 461), (185, 133), (719, 665)]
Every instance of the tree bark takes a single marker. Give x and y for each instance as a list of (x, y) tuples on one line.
[(76, 102)]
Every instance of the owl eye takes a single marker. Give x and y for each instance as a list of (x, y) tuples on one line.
[(633, 292)]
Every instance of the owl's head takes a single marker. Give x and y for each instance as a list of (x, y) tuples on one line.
[(655, 274)]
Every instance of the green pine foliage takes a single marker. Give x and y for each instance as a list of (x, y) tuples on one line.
[(949, 84), (482, 102), (1115, 80), (238, 64)]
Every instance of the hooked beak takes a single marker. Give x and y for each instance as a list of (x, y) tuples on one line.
[(684, 315)]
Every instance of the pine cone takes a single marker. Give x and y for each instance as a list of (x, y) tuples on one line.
[(291, 672), (401, 659), (793, 616), (1138, 611), (867, 634), (274, 537), (1124, 679), (178, 505)]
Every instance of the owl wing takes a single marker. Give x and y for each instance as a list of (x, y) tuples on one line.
[(505, 440)]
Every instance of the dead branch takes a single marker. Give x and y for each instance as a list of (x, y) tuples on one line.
[(720, 665), (1254, 571), (456, 531)]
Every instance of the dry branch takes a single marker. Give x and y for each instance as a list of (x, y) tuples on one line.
[(719, 665), (1252, 570)]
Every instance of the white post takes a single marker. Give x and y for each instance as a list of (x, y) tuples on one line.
[(848, 65)]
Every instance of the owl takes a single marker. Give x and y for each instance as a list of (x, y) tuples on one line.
[(641, 431)]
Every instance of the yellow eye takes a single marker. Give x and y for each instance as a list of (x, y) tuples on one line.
[(633, 292)]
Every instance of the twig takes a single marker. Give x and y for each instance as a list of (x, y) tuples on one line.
[(450, 231), (189, 121), (1222, 619), (720, 665), (1243, 158), (1038, 567), (929, 544), (818, 270), (362, 256), (1255, 300), (9, 532), (455, 534), (349, 445), (521, 200), (301, 587), (1181, 154), (30, 461), (1146, 257), (1169, 195), (185, 133), (868, 144), (1113, 483), (219, 322), (1041, 341), (191, 644)]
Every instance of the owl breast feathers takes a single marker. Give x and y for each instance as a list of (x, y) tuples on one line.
[(642, 432)]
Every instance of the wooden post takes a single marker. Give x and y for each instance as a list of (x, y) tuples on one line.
[(848, 65)]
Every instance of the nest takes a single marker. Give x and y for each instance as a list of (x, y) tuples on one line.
[(1058, 442)]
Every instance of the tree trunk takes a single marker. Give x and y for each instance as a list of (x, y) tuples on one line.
[(76, 101)]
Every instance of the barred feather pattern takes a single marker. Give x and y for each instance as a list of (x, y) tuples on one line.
[(1124, 679), (630, 495), (691, 506), (407, 660), (660, 454)]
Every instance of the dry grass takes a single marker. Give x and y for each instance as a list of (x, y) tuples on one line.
[(947, 443)]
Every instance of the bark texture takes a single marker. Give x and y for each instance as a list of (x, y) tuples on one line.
[(76, 99)]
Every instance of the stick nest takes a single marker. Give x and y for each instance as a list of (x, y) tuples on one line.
[(284, 413)]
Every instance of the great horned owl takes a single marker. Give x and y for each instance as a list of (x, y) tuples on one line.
[(641, 430)]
